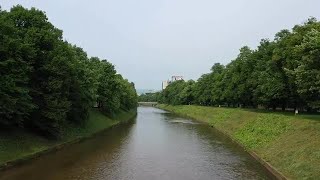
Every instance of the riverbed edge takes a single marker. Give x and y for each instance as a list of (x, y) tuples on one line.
[(268, 167), (25, 159)]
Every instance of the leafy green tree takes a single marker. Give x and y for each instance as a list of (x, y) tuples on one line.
[(270, 89), (217, 87), (308, 71), (149, 97), (83, 90), (47, 82), (128, 98), (186, 95), (171, 94), (202, 90), (283, 73), (15, 101), (108, 98)]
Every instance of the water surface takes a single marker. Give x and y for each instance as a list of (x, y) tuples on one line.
[(156, 145)]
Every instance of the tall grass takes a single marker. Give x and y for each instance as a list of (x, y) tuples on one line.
[(290, 143)]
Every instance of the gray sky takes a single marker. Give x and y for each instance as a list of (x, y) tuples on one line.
[(150, 40)]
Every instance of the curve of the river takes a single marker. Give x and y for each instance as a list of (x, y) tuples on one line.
[(156, 145)]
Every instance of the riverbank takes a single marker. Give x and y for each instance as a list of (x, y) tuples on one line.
[(289, 143), (18, 146)]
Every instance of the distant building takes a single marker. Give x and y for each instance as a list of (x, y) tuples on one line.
[(164, 84), (176, 78), (173, 79)]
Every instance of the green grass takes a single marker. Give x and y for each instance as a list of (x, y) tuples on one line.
[(19, 144), (290, 143)]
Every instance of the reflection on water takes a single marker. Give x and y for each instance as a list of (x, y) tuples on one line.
[(183, 121), (157, 145)]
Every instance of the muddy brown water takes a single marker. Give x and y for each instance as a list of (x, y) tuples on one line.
[(156, 145)]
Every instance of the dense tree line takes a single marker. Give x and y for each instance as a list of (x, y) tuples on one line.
[(46, 82), (282, 73), (149, 97)]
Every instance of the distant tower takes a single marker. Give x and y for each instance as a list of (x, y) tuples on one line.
[(164, 84)]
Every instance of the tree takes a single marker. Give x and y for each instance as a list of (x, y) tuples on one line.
[(308, 71), (15, 101), (186, 94), (280, 73), (217, 71), (47, 82)]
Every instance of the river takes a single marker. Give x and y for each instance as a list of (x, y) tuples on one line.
[(156, 145)]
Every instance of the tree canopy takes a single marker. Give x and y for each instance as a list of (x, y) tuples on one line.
[(46, 81), (280, 73)]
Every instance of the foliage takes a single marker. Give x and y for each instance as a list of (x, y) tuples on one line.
[(283, 73), (149, 97), (179, 92), (46, 81)]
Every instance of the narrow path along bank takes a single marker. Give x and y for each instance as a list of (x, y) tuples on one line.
[(289, 143), (17, 147)]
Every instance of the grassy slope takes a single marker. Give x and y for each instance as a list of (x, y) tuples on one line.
[(290, 143), (19, 144)]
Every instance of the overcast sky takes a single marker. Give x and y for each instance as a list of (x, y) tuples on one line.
[(150, 40)]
